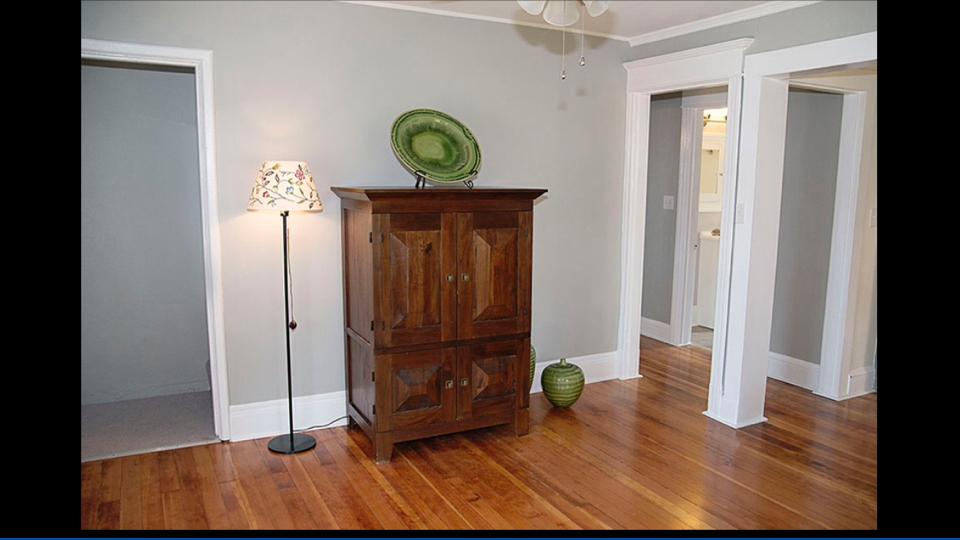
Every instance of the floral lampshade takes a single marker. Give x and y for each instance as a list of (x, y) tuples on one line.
[(284, 186)]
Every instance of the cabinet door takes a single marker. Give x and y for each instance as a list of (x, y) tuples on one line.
[(494, 254), (488, 378), (416, 275), (419, 389)]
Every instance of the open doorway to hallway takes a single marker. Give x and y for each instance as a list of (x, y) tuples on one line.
[(706, 242), (688, 168), (145, 353)]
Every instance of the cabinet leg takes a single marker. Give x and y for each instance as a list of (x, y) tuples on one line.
[(521, 422), (383, 447)]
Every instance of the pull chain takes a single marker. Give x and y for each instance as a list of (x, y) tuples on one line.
[(563, 46), (583, 24)]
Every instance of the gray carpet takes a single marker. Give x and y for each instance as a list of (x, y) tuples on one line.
[(702, 336), (131, 427)]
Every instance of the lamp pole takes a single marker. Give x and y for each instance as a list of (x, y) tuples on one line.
[(295, 443)]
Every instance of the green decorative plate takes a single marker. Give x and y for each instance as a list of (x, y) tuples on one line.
[(435, 145)]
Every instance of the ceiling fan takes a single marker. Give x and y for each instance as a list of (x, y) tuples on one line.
[(564, 13)]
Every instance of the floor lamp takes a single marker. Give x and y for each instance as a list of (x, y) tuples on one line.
[(284, 187)]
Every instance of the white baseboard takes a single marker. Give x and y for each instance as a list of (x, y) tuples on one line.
[(596, 368), (269, 418), (793, 370), (657, 330), (859, 382)]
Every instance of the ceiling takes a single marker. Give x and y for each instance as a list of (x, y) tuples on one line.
[(635, 21)]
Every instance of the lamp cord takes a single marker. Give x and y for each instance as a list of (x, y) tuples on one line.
[(318, 426), (293, 319)]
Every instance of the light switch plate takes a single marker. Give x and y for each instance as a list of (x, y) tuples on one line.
[(668, 202), (873, 217)]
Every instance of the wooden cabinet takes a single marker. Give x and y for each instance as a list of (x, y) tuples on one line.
[(437, 287)]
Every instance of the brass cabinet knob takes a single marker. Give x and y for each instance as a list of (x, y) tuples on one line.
[(464, 381), (465, 277), (448, 384), (450, 277)]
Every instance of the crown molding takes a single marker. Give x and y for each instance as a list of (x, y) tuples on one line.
[(475, 17), (746, 14), (734, 45), (754, 12)]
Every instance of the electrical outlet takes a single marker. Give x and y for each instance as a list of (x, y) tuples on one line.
[(873, 218), (668, 202)]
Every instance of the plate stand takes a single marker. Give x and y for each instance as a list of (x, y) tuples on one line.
[(422, 182)]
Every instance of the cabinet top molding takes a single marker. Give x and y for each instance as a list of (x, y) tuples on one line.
[(440, 199)]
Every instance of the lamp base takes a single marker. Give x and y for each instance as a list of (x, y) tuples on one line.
[(301, 443)]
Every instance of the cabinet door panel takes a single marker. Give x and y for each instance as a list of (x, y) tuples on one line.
[(488, 377), (494, 253), (419, 389), (417, 300)]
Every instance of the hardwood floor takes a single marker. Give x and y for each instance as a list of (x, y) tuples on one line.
[(635, 454)]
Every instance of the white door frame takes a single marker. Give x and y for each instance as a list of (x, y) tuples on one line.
[(688, 200), (759, 186), (714, 65), (202, 63), (842, 278), (688, 213)]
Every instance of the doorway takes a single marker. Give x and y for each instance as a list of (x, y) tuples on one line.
[(152, 371), (708, 183)]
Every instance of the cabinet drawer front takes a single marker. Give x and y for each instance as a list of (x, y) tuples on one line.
[(417, 296), (494, 252), (489, 377), (419, 388)]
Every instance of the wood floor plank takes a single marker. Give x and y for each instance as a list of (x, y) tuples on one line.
[(349, 507), (286, 490), (386, 510), (131, 516), (108, 508), (637, 454), (151, 496), (90, 474)]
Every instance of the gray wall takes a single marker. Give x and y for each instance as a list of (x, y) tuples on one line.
[(806, 222), (143, 315), (663, 178), (323, 82), (809, 24)]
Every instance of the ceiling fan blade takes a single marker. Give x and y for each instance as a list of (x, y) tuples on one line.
[(533, 7), (561, 12), (596, 7)]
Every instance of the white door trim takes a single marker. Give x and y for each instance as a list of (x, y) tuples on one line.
[(202, 63), (760, 179), (714, 65), (688, 207), (842, 278)]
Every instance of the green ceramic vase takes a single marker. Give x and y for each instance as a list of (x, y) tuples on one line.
[(533, 367), (562, 383)]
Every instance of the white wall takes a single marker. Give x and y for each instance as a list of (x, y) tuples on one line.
[(810, 162), (323, 82), (143, 315), (865, 242), (663, 178)]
